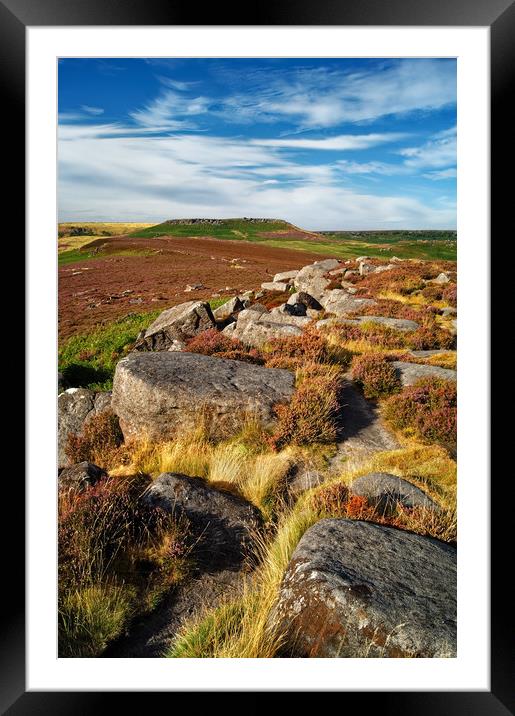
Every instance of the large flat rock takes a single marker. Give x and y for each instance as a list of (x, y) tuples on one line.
[(154, 394), (356, 589), (256, 326), (341, 303), (409, 373)]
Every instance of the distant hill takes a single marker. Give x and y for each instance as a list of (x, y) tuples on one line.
[(249, 229), (423, 244), (403, 243)]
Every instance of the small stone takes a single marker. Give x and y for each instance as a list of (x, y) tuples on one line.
[(275, 286), (441, 278), (385, 491), (80, 476), (286, 276), (409, 373)]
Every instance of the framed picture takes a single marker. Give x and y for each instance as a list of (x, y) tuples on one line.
[(88, 70)]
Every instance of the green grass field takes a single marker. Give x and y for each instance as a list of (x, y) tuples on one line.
[(340, 244), (346, 249), (76, 255), (89, 360)]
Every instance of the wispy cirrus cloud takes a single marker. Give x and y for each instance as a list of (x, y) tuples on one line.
[(383, 168), (438, 155), (441, 174), (336, 144), (95, 111), (438, 152), (340, 142), (313, 99), (165, 110), (326, 97), (205, 176), (175, 84)]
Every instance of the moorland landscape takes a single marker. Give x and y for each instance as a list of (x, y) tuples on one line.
[(256, 440)]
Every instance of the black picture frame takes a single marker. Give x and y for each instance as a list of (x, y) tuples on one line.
[(499, 16)]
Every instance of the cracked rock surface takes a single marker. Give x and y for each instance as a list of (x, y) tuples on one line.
[(156, 393), (357, 589)]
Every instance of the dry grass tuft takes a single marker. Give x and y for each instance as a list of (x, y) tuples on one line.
[(117, 555), (100, 442)]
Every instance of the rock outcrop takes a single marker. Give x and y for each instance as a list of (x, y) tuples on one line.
[(385, 491), (228, 309), (279, 286), (304, 299), (357, 589), (340, 302), (175, 326), (74, 407), (155, 394), (409, 373), (225, 524), (257, 326), (285, 276), (81, 475), (311, 279)]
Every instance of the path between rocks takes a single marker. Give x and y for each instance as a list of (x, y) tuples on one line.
[(363, 434), (152, 635)]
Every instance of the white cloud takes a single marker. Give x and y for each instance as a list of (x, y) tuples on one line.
[(441, 174), (95, 111), (175, 84), (344, 141), (310, 99), (325, 97), (439, 152), (164, 110), (71, 132), (70, 116), (369, 167), (155, 178)]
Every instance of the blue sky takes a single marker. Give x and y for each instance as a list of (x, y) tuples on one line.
[(323, 143)]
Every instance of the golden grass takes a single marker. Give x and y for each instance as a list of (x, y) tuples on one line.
[(243, 628), (91, 617), (427, 467), (413, 299), (96, 230), (68, 243), (356, 346), (241, 464), (443, 360)]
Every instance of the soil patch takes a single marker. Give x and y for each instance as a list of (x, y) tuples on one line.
[(111, 286)]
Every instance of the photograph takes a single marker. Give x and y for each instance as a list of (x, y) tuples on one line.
[(257, 395)]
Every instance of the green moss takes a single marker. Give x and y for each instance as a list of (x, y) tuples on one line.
[(89, 360)]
